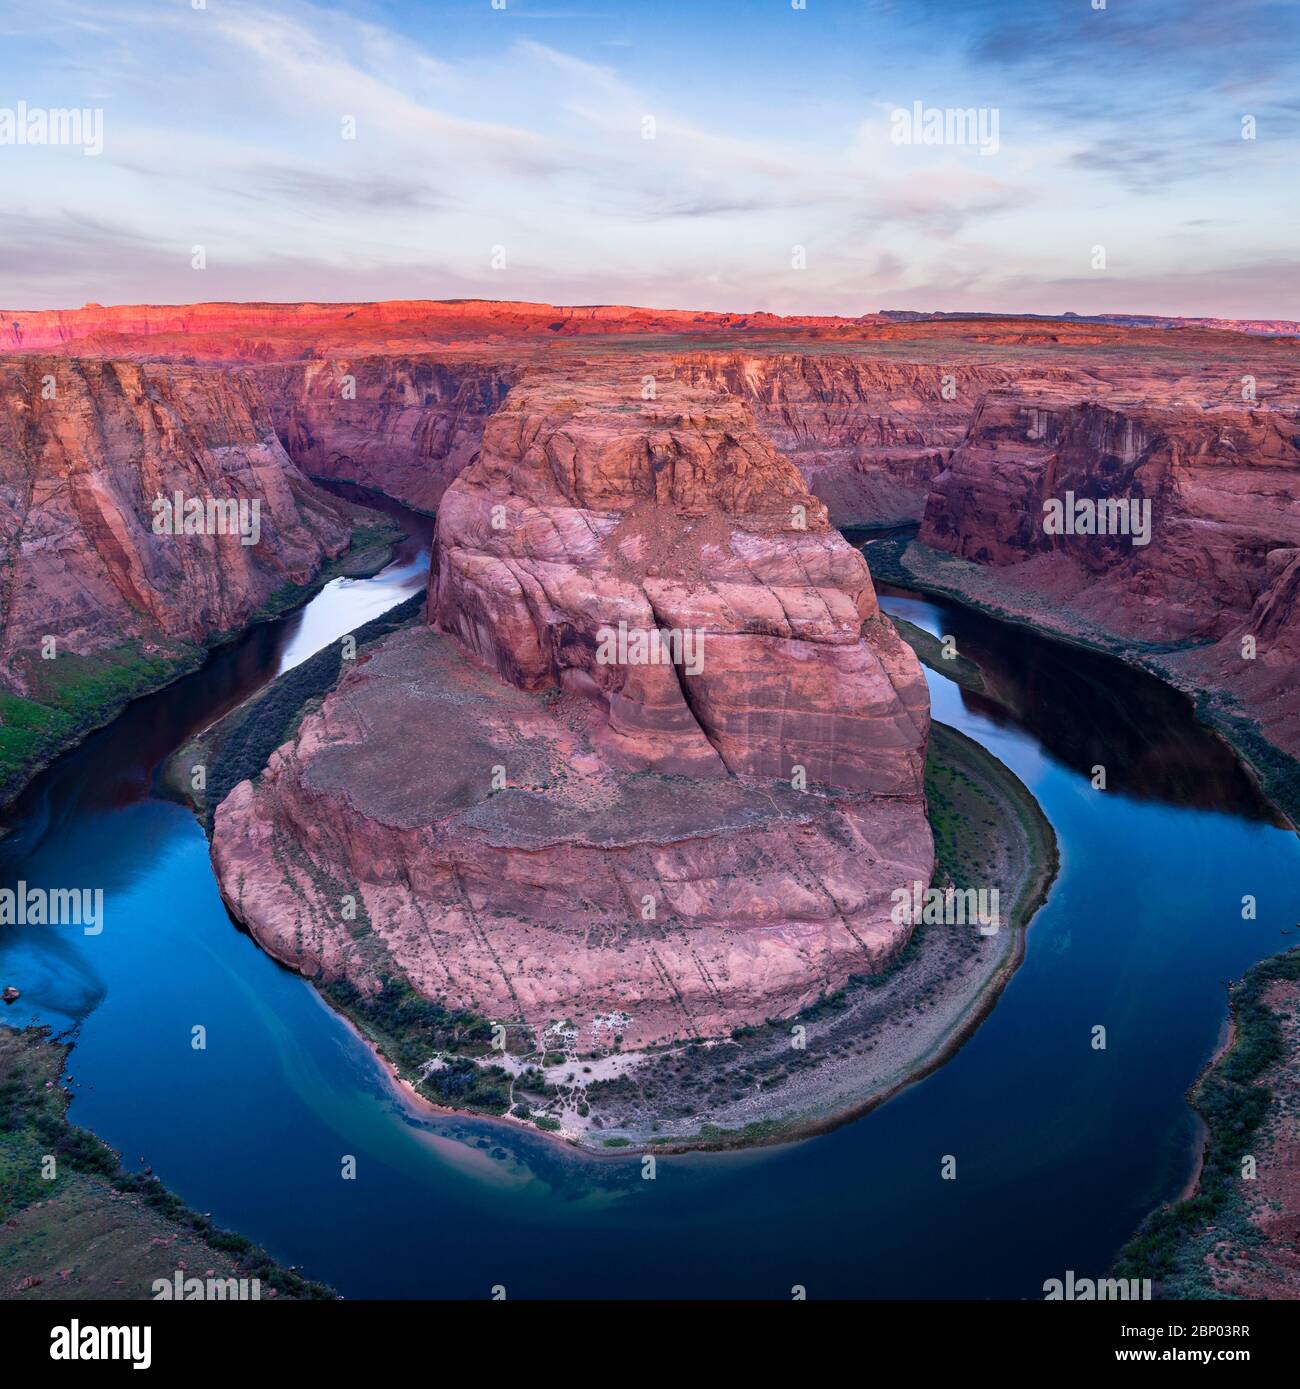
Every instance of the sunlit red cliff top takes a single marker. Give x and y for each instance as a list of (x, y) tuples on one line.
[(270, 331)]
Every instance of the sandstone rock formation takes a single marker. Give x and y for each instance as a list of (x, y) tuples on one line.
[(646, 906), (869, 435), (587, 509), (665, 850), (401, 425), (86, 447), (1257, 661), (1221, 487)]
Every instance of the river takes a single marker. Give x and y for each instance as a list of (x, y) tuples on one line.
[(1061, 1148)]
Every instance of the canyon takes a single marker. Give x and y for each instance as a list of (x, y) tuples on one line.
[(1217, 575), (963, 426), (106, 589), (632, 849), (86, 447)]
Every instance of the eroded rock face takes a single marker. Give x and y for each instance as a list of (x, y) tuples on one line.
[(85, 449), (542, 832), (1221, 488), (868, 435), (1258, 659), (654, 907), (401, 425), (588, 509)]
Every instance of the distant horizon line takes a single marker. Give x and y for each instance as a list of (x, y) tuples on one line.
[(1119, 317)]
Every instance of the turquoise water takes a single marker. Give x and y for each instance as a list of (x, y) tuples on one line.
[(1060, 1148)]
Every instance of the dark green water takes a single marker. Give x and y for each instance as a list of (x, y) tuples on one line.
[(1060, 1149)]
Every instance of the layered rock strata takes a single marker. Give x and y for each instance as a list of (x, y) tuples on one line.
[(868, 434), (546, 829), (401, 425), (1152, 521), (88, 449)]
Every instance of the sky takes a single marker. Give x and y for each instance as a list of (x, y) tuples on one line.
[(707, 154)]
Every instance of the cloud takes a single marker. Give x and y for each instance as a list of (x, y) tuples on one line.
[(329, 191), (224, 128), (1146, 166), (1217, 289), (44, 254), (301, 69)]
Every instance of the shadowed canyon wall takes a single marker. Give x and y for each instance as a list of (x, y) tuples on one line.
[(402, 425), (1218, 488)]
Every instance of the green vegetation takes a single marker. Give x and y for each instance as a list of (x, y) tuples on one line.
[(370, 549), (970, 794), (72, 694), (410, 1030), (1277, 772), (885, 558), (988, 829), (1171, 1243), (930, 650), (47, 1220), (713, 1138)]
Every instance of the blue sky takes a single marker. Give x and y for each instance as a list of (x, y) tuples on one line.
[(517, 134)]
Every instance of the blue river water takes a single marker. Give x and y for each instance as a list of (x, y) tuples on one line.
[(1061, 1148)]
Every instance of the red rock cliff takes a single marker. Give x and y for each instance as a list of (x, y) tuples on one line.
[(541, 828), (401, 425), (85, 449), (869, 435), (588, 509), (1218, 571), (1221, 487)]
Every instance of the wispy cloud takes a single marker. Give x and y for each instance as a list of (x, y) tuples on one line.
[(487, 161)]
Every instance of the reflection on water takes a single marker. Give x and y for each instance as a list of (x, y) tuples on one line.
[(118, 766), (1090, 709), (1061, 1149)]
